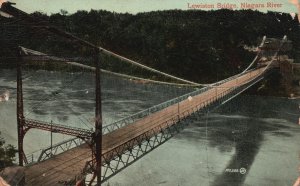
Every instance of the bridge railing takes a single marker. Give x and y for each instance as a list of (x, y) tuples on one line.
[(58, 128), (74, 142), (139, 115), (131, 119), (232, 77), (53, 150), (113, 160)]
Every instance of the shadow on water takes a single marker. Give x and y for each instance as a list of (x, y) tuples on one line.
[(240, 127)]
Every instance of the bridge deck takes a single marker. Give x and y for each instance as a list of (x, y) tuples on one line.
[(69, 164)]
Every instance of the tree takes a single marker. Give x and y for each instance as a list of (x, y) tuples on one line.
[(190, 44), (64, 12), (7, 154)]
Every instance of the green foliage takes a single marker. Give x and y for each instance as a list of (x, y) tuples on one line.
[(7, 154), (202, 46)]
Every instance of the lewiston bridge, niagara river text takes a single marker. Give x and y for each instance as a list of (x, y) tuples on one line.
[(242, 5)]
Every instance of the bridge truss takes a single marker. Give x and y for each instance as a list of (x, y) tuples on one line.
[(121, 157)]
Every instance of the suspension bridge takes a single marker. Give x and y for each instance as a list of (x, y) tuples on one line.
[(108, 150)]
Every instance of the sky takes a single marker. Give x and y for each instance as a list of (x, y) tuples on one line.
[(136, 6)]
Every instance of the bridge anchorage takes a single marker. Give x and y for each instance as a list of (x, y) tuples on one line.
[(105, 151)]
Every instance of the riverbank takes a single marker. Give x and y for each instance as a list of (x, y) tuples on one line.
[(278, 86)]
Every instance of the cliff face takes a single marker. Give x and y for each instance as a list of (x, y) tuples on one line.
[(281, 83), (295, 83)]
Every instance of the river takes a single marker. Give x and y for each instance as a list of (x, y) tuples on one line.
[(252, 140)]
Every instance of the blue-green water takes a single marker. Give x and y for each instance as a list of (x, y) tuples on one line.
[(259, 135)]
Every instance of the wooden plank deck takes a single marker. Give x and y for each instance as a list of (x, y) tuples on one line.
[(67, 165)]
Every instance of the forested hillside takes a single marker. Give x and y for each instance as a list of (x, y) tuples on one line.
[(202, 46)]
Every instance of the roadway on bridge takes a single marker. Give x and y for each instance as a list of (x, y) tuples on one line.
[(68, 165)]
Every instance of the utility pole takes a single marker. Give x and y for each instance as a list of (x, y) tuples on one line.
[(178, 114), (20, 107), (51, 137), (98, 120)]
